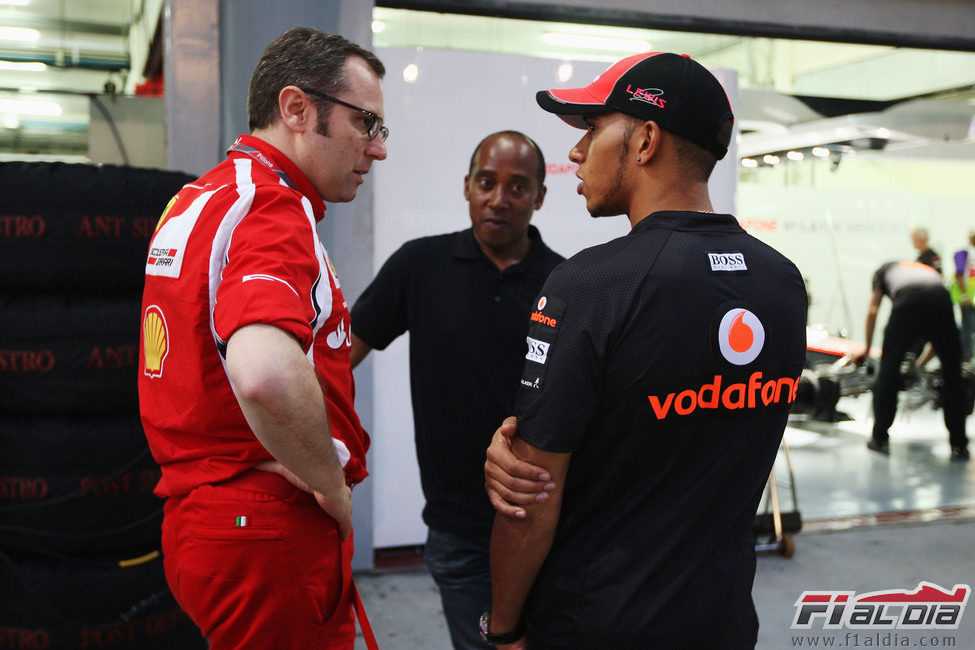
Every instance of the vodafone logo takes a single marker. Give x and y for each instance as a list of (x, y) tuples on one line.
[(542, 302), (740, 336)]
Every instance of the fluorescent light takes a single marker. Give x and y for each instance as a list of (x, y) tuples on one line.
[(565, 72), (411, 73), (23, 66), (595, 42), (795, 155), (820, 152), (883, 132), (770, 159), (19, 34), (751, 163), (30, 107), (11, 121), (378, 26)]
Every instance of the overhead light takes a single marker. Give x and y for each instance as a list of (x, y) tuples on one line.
[(580, 55), (820, 152), (15, 3), (565, 72), (770, 159), (24, 34), (751, 163), (883, 132), (23, 66), (795, 155), (378, 26), (411, 73), (30, 107), (587, 42), (11, 121)]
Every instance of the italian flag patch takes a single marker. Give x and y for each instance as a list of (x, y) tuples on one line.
[(241, 522)]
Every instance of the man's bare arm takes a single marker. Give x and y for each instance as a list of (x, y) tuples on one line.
[(871, 324), (282, 401), (519, 546), (359, 350)]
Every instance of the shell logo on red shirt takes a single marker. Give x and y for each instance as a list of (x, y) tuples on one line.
[(741, 336), (155, 341)]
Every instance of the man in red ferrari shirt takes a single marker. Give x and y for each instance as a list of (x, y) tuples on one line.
[(245, 387)]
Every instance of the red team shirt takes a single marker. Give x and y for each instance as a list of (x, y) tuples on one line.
[(238, 246)]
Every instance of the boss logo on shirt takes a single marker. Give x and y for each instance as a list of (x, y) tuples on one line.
[(537, 350), (727, 262)]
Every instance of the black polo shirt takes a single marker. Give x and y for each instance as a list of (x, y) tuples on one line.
[(467, 322), (665, 361)]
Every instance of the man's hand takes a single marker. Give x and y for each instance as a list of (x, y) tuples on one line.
[(511, 482), (338, 506), (859, 358)]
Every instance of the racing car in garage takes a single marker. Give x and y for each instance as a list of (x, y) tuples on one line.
[(830, 374)]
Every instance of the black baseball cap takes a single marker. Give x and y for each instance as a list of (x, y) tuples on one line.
[(673, 90)]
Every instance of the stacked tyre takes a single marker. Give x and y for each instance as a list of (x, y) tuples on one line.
[(79, 525)]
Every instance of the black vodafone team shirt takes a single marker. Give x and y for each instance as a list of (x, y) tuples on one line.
[(665, 361), (467, 322)]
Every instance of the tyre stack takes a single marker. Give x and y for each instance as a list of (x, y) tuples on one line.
[(79, 526)]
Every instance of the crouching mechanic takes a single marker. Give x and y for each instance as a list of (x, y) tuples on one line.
[(921, 308), (655, 393), (245, 360)]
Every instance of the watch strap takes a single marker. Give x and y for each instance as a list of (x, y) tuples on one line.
[(499, 638)]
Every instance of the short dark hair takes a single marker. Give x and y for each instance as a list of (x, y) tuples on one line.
[(695, 161), (306, 58), (540, 158)]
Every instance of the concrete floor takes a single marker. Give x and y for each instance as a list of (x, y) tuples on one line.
[(404, 607), (870, 523)]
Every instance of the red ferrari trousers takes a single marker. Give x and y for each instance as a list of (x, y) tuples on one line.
[(256, 563)]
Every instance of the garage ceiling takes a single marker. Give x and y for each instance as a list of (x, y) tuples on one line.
[(54, 53)]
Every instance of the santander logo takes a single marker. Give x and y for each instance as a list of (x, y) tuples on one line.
[(740, 336)]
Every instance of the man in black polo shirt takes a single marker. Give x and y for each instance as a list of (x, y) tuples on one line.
[(656, 389), (465, 298), (921, 308)]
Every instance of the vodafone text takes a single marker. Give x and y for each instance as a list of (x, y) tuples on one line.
[(539, 317), (734, 396)]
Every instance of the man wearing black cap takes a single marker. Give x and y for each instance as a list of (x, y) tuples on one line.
[(656, 388)]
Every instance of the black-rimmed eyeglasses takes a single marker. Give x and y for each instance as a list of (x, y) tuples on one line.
[(374, 126)]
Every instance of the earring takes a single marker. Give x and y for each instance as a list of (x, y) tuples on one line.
[(639, 159)]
